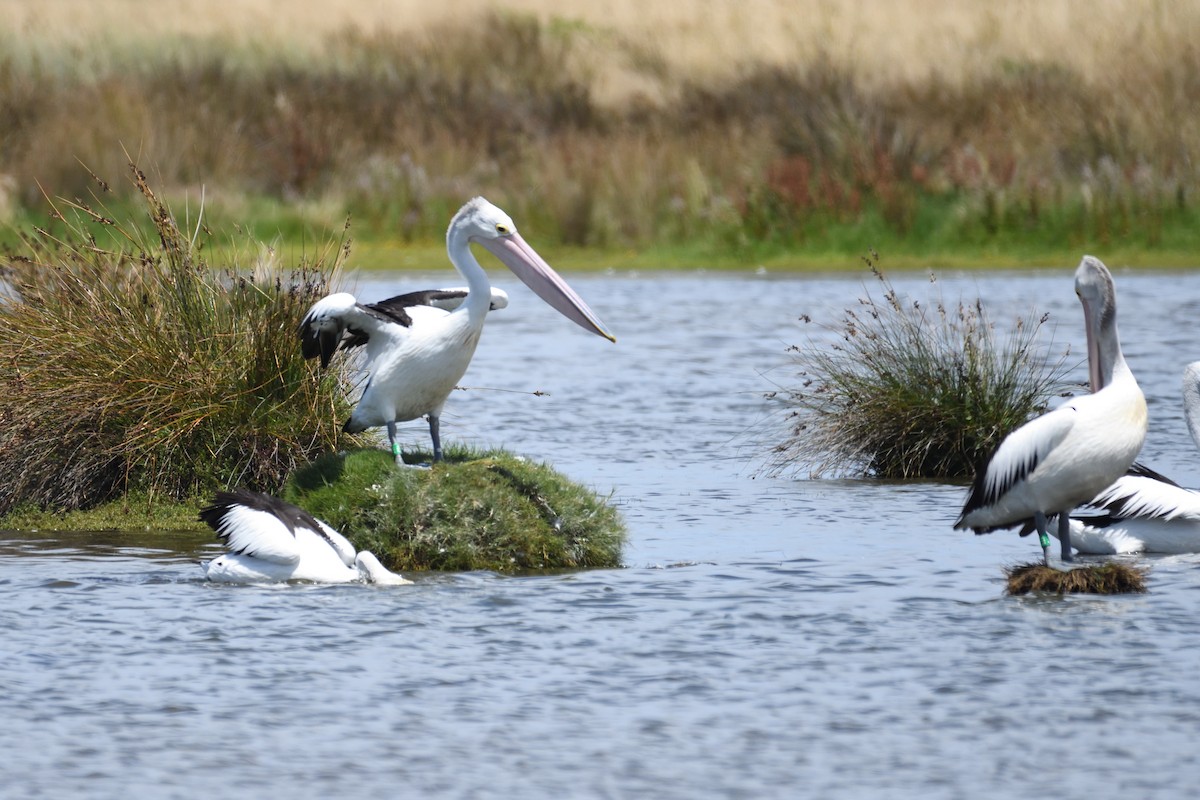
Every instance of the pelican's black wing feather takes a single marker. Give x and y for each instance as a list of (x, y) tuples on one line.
[(396, 308)]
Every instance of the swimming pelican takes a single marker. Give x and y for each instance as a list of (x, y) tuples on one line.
[(416, 353), (1063, 458), (270, 540), (1143, 511)]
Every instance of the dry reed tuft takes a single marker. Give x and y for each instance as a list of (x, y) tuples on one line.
[(396, 124), (1110, 578), (132, 365), (912, 390)]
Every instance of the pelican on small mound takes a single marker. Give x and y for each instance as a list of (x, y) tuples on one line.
[(1143, 511), (1063, 458), (416, 349), (270, 540)]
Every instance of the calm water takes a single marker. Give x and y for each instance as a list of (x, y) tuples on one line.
[(769, 636)]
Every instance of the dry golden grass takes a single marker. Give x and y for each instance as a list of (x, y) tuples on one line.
[(875, 41), (741, 128)]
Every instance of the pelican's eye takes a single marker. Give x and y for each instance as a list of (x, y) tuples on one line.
[(502, 229)]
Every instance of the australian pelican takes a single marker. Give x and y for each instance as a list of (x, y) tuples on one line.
[(1063, 458), (270, 540), (416, 350), (1143, 511)]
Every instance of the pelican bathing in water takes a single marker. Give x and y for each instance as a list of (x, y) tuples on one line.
[(416, 351), (1143, 511), (270, 540), (1063, 458)]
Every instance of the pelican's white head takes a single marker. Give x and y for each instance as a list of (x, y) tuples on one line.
[(375, 572), (487, 225)]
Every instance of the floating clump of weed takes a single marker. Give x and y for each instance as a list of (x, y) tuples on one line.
[(905, 389), (475, 510), (132, 364), (1110, 578)]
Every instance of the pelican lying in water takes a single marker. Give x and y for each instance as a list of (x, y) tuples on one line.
[(1143, 511), (1063, 458), (270, 540), (417, 352)]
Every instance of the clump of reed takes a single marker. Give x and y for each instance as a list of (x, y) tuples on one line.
[(132, 364), (901, 388), (1109, 578), (475, 510)]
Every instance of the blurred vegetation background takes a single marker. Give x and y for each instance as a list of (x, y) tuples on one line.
[(752, 132)]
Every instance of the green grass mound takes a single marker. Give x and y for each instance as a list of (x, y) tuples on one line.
[(1108, 578), (476, 510)]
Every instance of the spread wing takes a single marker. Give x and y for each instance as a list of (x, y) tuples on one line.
[(1142, 493), (331, 318), (341, 322), (265, 527)]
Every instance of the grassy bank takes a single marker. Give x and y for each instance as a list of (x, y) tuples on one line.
[(296, 232), (134, 512), (984, 136)]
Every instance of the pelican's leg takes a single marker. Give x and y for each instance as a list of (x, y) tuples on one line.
[(436, 436), (1064, 535), (391, 428), (1039, 520)]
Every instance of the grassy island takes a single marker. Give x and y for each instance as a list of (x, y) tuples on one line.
[(475, 510), (146, 370)]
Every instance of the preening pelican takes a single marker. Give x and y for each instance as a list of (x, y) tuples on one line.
[(270, 540), (1063, 458), (417, 352), (1143, 511)]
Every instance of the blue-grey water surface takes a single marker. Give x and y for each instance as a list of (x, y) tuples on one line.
[(770, 636)]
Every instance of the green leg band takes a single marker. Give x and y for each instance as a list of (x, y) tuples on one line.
[(1043, 540)]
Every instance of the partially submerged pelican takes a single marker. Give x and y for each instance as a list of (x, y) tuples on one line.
[(270, 540), (1143, 511), (416, 352), (1063, 458)]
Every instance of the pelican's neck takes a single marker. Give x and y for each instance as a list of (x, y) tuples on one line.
[(1113, 367), (1106, 362), (1191, 400), (479, 288)]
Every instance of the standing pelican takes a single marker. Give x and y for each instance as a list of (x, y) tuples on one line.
[(416, 352), (1061, 459), (1143, 511), (270, 540)]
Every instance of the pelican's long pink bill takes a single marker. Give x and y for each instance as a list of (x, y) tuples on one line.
[(1096, 378), (547, 284)]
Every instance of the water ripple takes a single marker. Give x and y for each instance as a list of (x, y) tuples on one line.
[(769, 638)]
